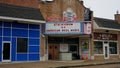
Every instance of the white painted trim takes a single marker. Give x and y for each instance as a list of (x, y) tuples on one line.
[(10, 51), (20, 19)]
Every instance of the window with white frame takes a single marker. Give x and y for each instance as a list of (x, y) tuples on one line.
[(98, 47), (113, 47)]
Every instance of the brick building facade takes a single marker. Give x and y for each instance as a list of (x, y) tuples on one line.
[(106, 38), (62, 34)]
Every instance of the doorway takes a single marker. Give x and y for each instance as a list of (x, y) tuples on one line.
[(6, 52), (106, 50), (73, 48), (53, 52)]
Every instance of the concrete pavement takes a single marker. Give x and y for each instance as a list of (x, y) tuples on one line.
[(58, 64)]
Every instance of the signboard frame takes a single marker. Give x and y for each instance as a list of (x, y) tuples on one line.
[(66, 28)]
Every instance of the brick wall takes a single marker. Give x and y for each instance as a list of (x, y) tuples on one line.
[(117, 18), (57, 7), (25, 3)]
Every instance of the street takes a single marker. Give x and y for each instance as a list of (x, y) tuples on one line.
[(102, 66)]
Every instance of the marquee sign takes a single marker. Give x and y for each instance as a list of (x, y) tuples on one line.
[(66, 28), (63, 28)]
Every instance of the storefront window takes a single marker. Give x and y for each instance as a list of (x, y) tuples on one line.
[(113, 47), (85, 47), (22, 45), (98, 47)]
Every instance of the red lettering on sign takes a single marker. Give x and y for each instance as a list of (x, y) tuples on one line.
[(53, 18), (74, 30), (53, 30)]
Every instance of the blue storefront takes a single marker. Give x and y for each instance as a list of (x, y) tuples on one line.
[(19, 42), (19, 33)]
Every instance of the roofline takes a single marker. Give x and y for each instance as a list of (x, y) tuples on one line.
[(20, 19), (104, 18), (108, 28)]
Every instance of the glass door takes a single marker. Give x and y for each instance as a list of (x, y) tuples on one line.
[(106, 50), (73, 48)]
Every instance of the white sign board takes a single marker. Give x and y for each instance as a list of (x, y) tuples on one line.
[(63, 28)]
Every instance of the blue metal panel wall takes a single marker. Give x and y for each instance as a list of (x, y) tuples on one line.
[(6, 39), (34, 26), (34, 57), (19, 25), (82, 27), (13, 56), (12, 31), (0, 41), (19, 33), (34, 42), (34, 49), (7, 24), (21, 57), (6, 32), (34, 33), (0, 31)]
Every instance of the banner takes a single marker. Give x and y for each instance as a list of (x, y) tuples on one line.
[(87, 28)]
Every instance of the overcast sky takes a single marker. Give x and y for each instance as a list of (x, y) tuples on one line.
[(103, 8)]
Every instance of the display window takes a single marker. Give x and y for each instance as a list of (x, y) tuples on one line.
[(113, 47), (98, 47)]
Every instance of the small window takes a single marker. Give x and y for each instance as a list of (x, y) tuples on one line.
[(113, 47), (22, 45)]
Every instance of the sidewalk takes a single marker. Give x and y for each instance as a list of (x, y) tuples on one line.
[(57, 64)]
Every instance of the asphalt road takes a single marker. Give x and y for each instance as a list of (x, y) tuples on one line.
[(102, 66)]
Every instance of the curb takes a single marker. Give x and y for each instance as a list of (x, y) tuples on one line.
[(83, 65)]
